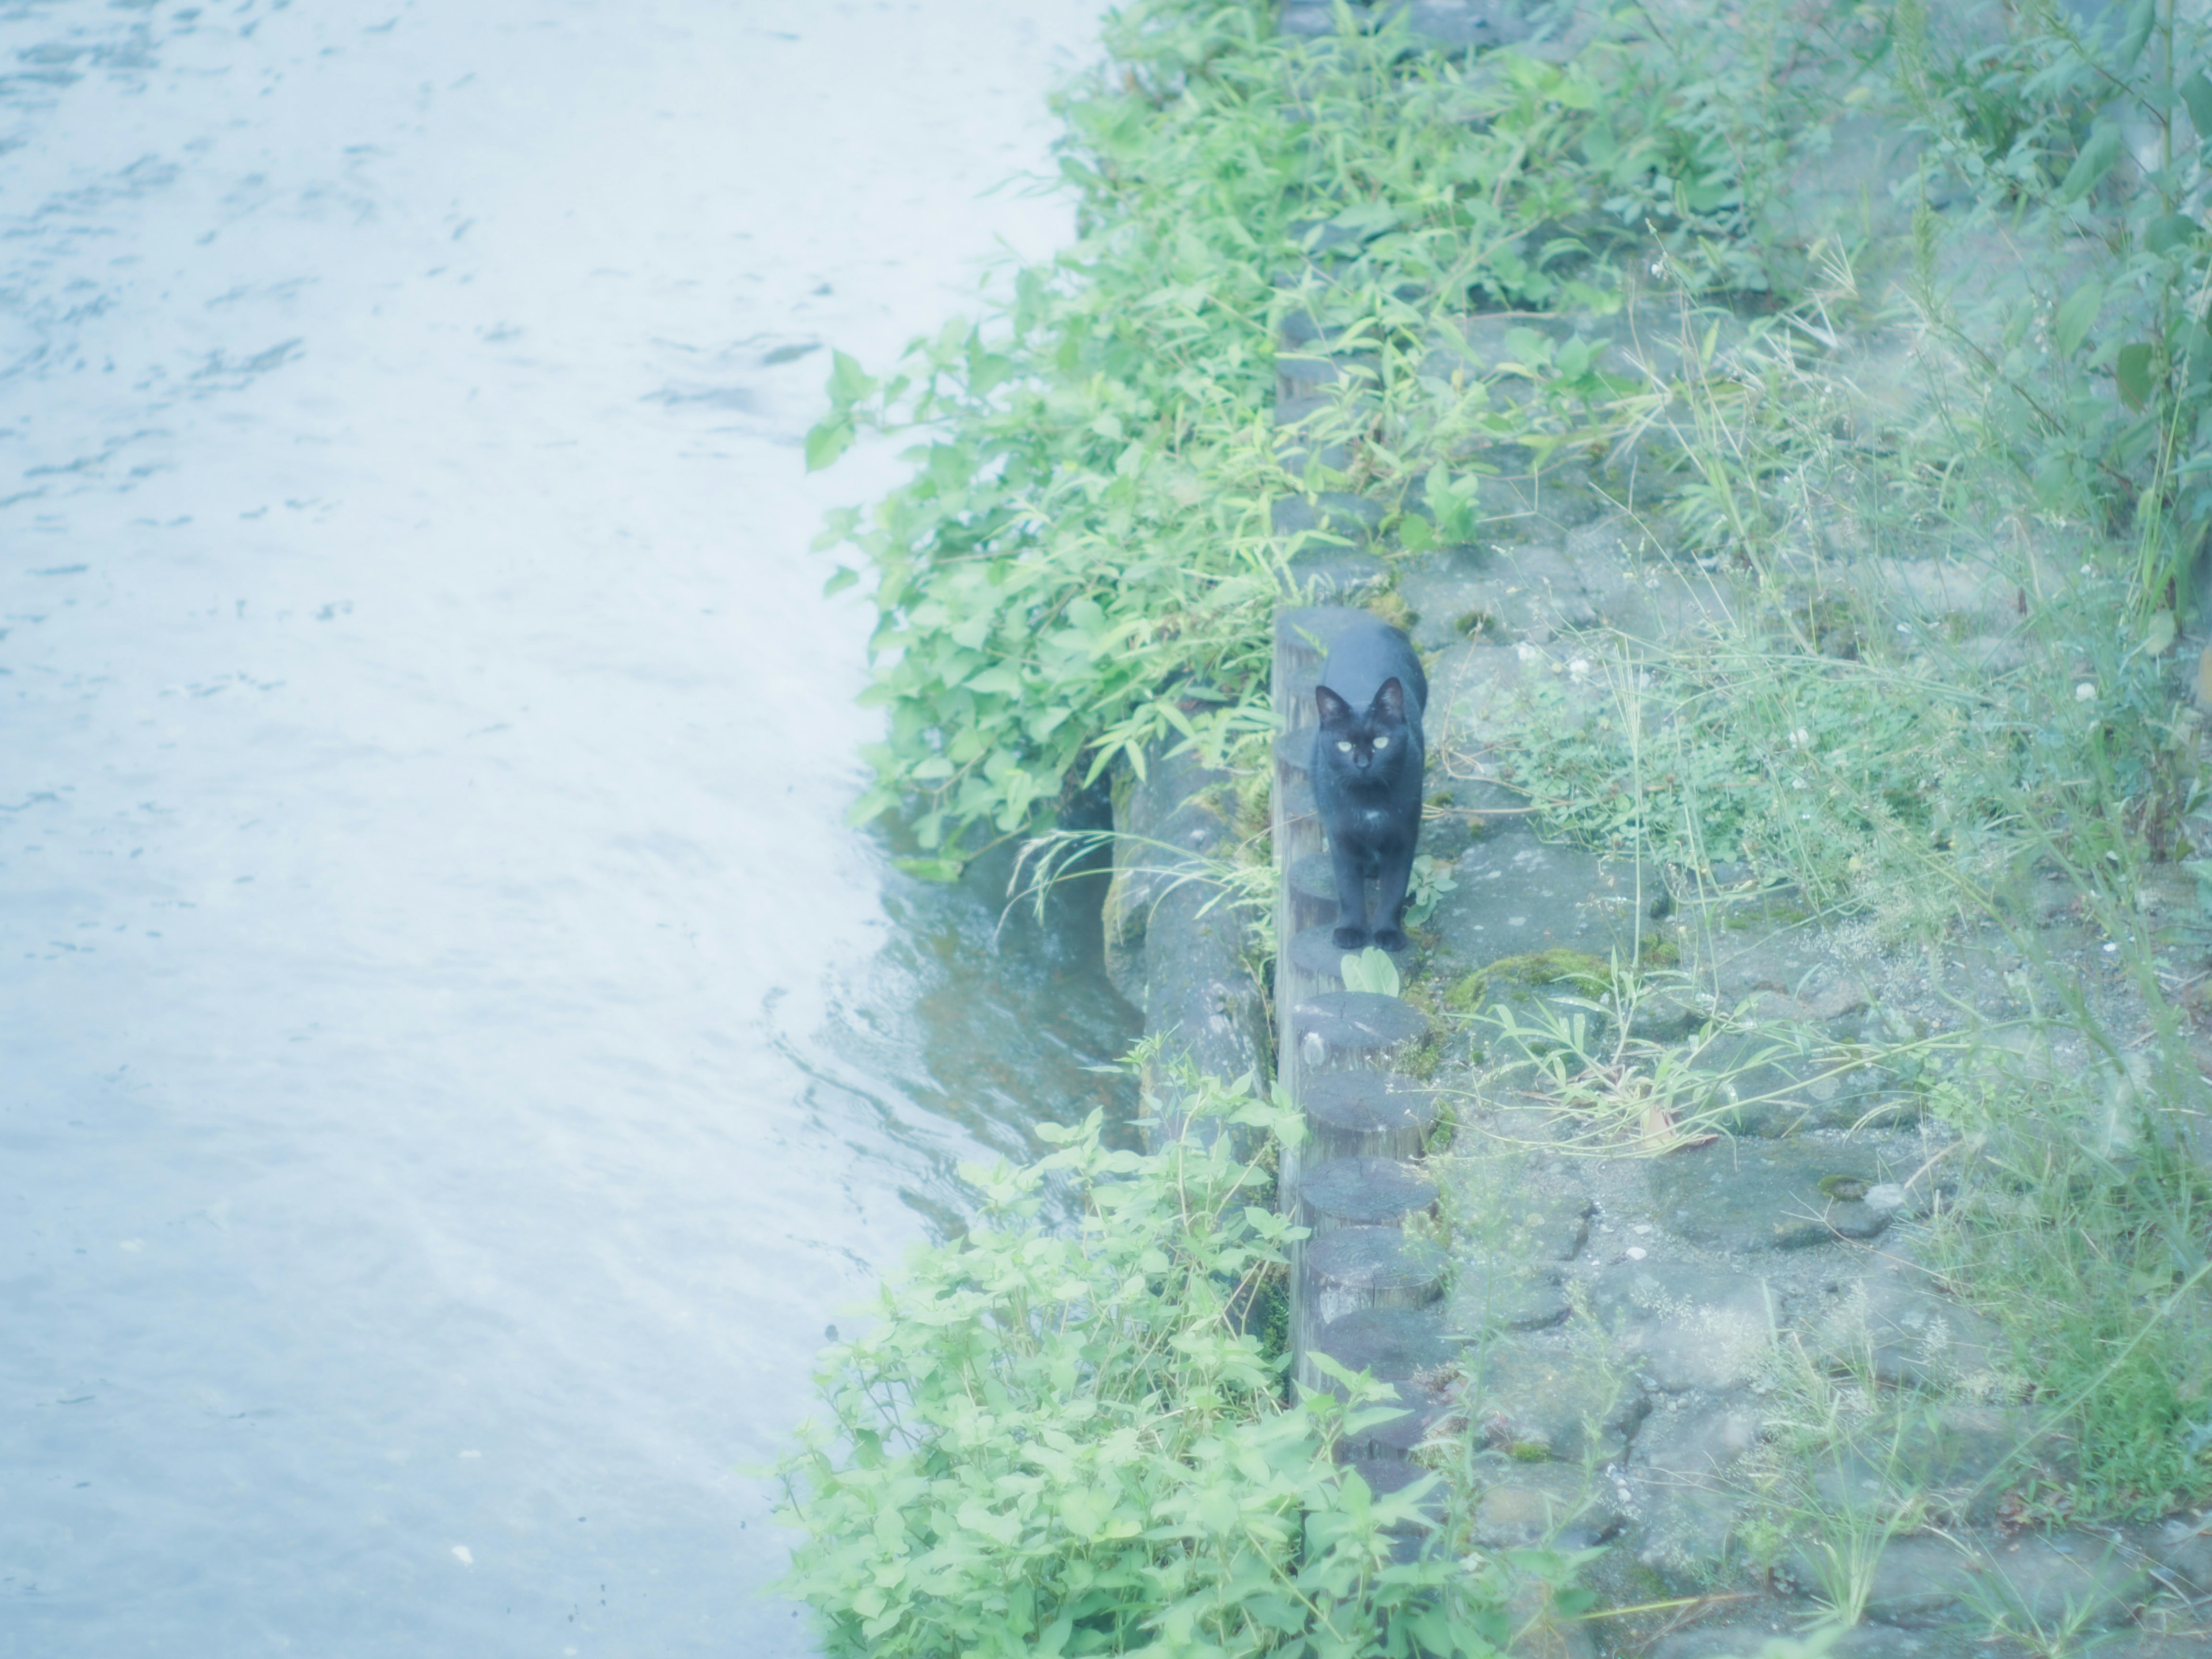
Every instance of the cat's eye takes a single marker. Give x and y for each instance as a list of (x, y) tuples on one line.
[(1344, 746), (1382, 743)]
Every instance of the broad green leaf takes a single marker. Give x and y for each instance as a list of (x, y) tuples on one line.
[(2071, 325), (2103, 148), (827, 441), (2170, 231), (2132, 369), (2197, 93), (2158, 637), (2136, 32), (841, 579), (849, 383), (1371, 970)]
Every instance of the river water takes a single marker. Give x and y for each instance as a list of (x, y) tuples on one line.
[(457, 1061)]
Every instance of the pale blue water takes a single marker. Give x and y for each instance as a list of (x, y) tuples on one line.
[(457, 1060)]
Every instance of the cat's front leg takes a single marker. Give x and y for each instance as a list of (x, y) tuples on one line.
[(1397, 874), (1351, 933)]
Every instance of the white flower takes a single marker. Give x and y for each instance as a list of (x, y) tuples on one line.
[(2086, 692), (1578, 669)]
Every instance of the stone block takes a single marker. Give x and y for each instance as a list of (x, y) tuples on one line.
[(1907, 1335), (1549, 1403), (1958, 1457), (1555, 1504), (1687, 1503), (1921, 1578), (1493, 1294), (1688, 1327), (1740, 1196)]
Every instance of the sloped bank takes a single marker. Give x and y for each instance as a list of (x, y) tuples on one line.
[(1175, 946)]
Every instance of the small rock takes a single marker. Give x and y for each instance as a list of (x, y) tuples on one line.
[(1539, 1404), (1689, 1327), (1741, 1197), (1835, 996)]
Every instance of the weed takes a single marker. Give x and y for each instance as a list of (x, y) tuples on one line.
[(1072, 1442)]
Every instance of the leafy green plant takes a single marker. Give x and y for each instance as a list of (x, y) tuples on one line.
[(1083, 563), (1371, 970), (1062, 1439)]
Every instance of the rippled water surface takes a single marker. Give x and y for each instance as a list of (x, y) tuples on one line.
[(457, 1061)]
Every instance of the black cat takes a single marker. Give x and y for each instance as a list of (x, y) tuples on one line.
[(1367, 775)]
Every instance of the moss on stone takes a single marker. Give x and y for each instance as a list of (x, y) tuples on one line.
[(1592, 975)]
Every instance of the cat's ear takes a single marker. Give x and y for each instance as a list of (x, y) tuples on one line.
[(1335, 711), (1390, 702)]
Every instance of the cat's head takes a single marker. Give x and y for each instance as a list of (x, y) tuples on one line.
[(1370, 743)]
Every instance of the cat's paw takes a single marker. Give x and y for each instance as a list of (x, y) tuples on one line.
[(1389, 939), (1349, 939)]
